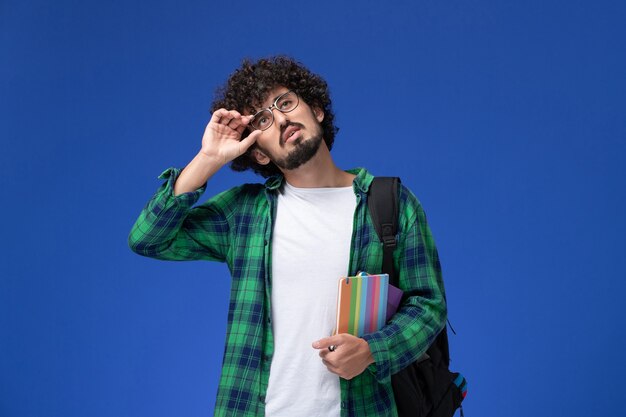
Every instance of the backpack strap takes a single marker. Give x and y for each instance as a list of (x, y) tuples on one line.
[(383, 207), (382, 202)]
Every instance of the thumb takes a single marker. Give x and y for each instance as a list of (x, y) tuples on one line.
[(246, 142)]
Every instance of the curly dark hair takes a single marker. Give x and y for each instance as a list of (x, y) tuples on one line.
[(247, 89)]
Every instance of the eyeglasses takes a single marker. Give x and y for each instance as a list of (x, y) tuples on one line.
[(263, 119)]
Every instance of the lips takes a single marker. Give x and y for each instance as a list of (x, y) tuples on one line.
[(291, 132)]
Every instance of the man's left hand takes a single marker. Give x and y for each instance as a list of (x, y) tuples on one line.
[(350, 357)]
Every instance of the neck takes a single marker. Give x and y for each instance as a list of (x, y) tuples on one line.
[(319, 172)]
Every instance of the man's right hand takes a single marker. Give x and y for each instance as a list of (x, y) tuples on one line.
[(221, 144), (222, 137)]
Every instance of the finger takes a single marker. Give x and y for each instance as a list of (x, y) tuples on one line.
[(337, 371), (230, 116), (222, 117), (329, 366), (330, 352), (327, 342), (330, 357), (226, 116), (245, 120), (246, 142), (234, 123), (241, 128), (235, 114), (225, 119), (238, 120), (240, 124), (217, 115)]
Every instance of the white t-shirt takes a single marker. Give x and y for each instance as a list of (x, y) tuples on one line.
[(310, 252)]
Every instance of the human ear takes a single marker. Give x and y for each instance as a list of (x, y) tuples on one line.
[(319, 114), (260, 157)]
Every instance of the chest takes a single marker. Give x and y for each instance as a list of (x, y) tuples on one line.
[(313, 222)]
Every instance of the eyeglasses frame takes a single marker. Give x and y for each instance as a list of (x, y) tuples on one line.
[(274, 106)]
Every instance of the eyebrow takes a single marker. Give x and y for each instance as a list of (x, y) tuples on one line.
[(273, 101), (276, 98)]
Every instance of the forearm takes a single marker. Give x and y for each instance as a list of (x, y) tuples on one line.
[(201, 168), (407, 336)]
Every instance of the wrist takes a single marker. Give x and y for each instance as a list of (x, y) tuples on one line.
[(210, 159), (366, 348), (196, 173)]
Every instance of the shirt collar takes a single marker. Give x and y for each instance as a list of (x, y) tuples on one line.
[(361, 182)]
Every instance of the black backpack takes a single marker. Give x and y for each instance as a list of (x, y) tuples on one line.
[(426, 388)]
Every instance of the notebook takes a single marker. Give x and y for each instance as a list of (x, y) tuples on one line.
[(362, 303)]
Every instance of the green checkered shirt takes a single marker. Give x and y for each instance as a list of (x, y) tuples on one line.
[(236, 227)]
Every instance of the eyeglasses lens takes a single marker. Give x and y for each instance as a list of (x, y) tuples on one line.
[(285, 103), (262, 120)]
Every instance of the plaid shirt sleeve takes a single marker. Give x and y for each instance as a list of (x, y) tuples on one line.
[(169, 228), (423, 314)]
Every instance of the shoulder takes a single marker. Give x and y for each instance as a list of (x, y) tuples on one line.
[(407, 198), (409, 207)]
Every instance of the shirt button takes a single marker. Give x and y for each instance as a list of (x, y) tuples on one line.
[(343, 404), (262, 398)]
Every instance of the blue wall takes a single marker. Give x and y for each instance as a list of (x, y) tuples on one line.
[(507, 119)]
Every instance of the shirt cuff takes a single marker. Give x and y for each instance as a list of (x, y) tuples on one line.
[(381, 366), (185, 200)]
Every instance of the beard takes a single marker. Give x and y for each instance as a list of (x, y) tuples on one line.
[(302, 153)]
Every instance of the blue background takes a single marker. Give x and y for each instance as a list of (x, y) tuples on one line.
[(507, 119)]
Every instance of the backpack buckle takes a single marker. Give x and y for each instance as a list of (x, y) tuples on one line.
[(389, 239)]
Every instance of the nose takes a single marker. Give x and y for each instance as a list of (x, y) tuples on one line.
[(280, 118)]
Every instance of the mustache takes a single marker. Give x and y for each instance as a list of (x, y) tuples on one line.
[(281, 140)]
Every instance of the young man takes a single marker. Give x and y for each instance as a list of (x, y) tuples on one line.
[(287, 243)]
